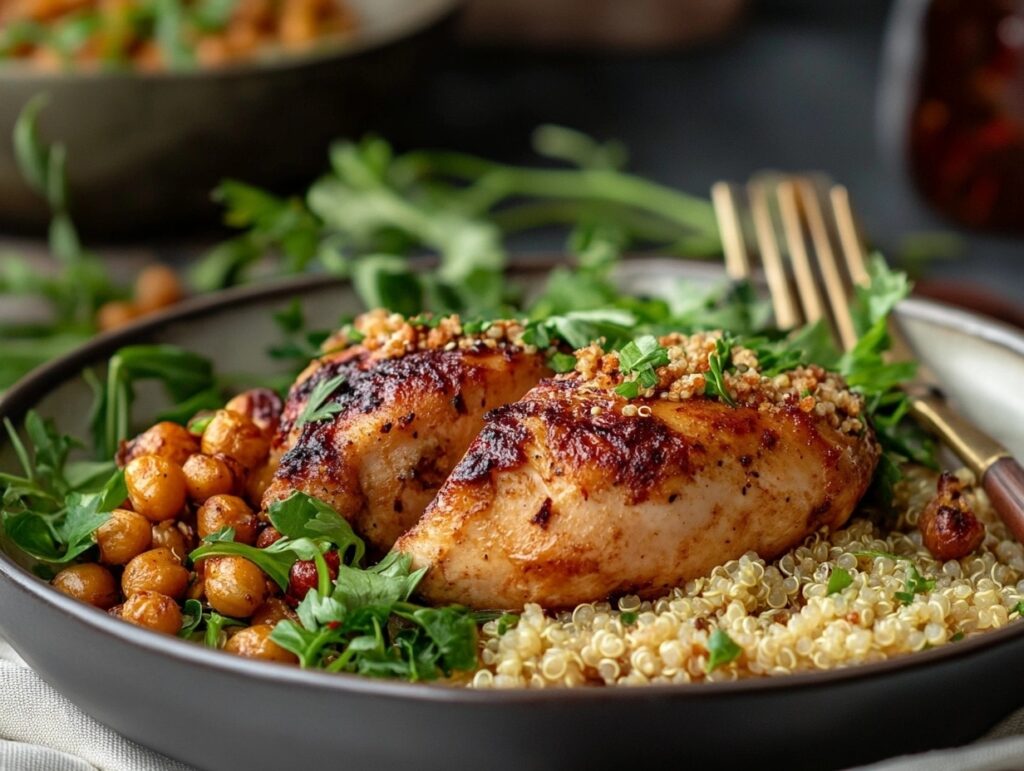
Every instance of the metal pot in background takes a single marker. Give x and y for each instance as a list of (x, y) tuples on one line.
[(146, 149)]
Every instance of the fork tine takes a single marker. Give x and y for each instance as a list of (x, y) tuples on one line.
[(849, 236), (806, 283), (828, 267), (784, 304), (734, 244)]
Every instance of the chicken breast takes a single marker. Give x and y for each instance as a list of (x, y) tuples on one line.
[(575, 493), (412, 400)]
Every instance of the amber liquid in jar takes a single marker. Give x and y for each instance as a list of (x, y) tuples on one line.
[(967, 129)]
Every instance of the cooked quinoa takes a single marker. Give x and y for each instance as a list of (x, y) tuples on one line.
[(811, 388), (780, 613)]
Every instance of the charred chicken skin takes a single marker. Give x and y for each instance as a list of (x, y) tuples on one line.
[(575, 493), (411, 400)]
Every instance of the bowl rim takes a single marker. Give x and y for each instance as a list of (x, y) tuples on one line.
[(422, 15), (41, 381)]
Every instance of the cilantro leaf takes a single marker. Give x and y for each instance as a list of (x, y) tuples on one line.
[(302, 516)]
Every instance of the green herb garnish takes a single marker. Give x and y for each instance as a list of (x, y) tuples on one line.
[(838, 580), (718, 362), (721, 650), (640, 358), (317, 406), (916, 584)]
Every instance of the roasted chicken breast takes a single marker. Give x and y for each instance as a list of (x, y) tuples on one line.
[(411, 400), (576, 493)]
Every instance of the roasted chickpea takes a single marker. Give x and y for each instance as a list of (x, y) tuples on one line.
[(156, 487), (255, 643), (115, 313), (234, 586), (270, 612), (258, 481), (237, 437), (156, 570), (206, 476), (261, 405), (124, 536), (168, 535), (152, 610), (89, 583), (157, 286), (168, 440), (268, 536), (222, 511)]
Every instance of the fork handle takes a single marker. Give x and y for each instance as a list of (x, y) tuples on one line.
[(1004, 483)]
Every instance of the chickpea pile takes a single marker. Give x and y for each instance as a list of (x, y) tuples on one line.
[(183, 486)]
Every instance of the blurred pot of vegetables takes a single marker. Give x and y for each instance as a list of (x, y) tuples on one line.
[(147, 143)]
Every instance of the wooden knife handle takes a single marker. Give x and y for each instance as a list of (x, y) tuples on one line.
[(1004, 483)]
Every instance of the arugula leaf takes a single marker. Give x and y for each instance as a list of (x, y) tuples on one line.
[(275, 560), (317, 405), (722, 649), (838, 580), (187, 378), (302, 516)]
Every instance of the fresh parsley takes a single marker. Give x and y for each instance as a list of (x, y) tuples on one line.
[(640, 358)]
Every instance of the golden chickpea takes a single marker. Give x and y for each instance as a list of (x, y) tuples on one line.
[(152, 610), (166, 439), (157, 286), (168, 535), (237, 437), (222, 511), (255, 643), (258, 481), (270, 612), (89, 583), (234, 586), (261, 405), (206, 476), (156, 487), (156, 570), (124, 536), (115, 314)]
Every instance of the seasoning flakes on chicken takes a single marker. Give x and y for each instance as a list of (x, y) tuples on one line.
[(598, 483), (374, 427)]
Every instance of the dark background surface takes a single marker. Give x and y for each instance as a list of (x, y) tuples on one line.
[(794, 87)]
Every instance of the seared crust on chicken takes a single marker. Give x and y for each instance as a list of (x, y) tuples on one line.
[(574, 494), (405, 418)]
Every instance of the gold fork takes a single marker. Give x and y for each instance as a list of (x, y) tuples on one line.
[(812, 223)]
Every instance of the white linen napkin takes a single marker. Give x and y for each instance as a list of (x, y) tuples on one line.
[(40, 730)]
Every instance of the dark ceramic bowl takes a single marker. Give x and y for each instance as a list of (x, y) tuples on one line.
[(146, 149), (220, 712)]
